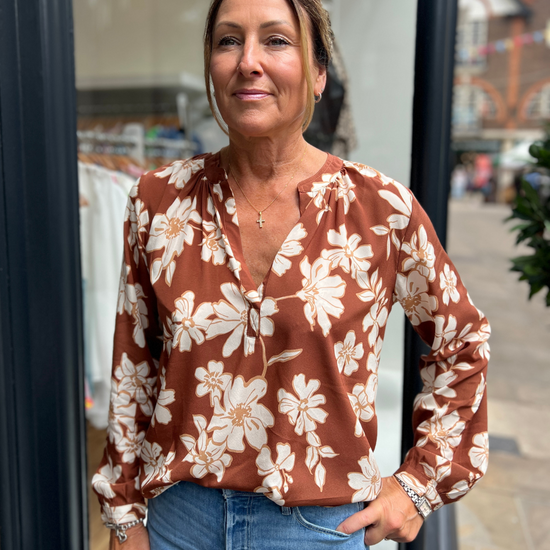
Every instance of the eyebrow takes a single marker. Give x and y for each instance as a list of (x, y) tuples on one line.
[(262, 26)]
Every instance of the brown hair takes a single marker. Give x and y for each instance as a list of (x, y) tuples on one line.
[(314, 23)]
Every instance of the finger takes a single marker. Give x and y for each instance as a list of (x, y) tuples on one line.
[(369, 516)]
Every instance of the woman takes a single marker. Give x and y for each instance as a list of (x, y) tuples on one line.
[(255, 290)]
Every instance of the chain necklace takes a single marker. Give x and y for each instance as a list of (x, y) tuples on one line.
[(260, 221)]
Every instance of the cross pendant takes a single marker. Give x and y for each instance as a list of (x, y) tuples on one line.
[(260, 220)]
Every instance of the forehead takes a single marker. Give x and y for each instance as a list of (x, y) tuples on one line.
[(257, 10)]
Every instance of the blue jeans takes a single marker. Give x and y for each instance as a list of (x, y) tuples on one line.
[(191, 517)]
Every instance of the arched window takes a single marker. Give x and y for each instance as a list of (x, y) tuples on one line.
[(538, 106), (471, 105)]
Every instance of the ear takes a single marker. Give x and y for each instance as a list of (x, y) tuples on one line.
[(320, 80)]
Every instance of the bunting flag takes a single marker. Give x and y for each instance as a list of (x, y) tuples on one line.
[(506, 45)]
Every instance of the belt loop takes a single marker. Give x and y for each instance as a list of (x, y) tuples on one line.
[(286, 511)]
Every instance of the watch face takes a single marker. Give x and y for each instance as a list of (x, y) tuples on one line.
[(424, 508)]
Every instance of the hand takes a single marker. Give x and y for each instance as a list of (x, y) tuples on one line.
[(138, 539), (392, 515)]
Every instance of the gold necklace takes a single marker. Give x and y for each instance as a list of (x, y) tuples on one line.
[(260, 221)]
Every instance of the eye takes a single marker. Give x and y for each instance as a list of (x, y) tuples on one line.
[(277, 41), (227, 41)]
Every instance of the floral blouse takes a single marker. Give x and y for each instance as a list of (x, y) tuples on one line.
[(272, 388)]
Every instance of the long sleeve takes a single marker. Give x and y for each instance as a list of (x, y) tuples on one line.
[(137, 346), (450, 414)]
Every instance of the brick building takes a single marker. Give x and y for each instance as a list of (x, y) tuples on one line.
[(502, 75)]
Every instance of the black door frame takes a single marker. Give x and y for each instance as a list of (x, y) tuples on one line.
[(43, 477), (43, 500)]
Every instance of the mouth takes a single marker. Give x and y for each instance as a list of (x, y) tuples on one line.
[(251, 95)]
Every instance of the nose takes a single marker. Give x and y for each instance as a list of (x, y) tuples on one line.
[(250, 63)]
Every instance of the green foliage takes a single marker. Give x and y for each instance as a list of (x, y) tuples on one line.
[(534, 229)]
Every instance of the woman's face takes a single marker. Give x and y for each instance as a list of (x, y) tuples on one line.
[(256, 68)]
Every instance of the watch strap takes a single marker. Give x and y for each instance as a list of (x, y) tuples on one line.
[(421, 503)]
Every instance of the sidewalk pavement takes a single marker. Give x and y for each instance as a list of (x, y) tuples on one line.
[(510, 508)]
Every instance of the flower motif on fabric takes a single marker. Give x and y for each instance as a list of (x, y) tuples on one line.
[(303, 411), (368, 482), (375, 320), (480, 392), (373, 360), (241, 416), (421, 255), (133, 381), (180, 171), (363, 169), (107, 475), (402, 202), (171, 231), (291, 247), (447, 283), (321, 293), (206, 456), (276, 474), (122, 411), (130, 445), (362, 401), (212, 381), (479, 453), (347, 354), (443, 334), (444, 431), (412, 292), (138, 216), (261, 322), (351, 257), (120, 514), (188, 326), (483, 336), (212, 245), (434, 385), (231, 317), (165, 397), (436, 475), (344, 190), (131, 300), (155, 463)]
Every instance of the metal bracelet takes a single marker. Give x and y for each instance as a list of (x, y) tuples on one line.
[(120, 529)]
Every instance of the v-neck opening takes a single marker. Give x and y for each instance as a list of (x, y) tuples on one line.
[(217, 175)]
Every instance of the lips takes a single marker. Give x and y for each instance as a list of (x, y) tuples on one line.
[(251, 95)]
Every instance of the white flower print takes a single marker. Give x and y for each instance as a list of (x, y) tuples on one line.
[(155, 463), (231, 209), (314, 455), (443, 431), (291, 247), (412, 482), (479, 453), (401, 203), (351, 257), (436, 475), (231, 316), (321, 292), (483, 336), (212, 381), (187, 326), (276, 474), (180, 171), (133, 380), (443, 335), (411, 291), (241, 415), (131, 300), (204, 454), (172, 231), (462, 487), (347, 354), (303, 411), (121, 411), (129, 446), (212, 245), (166, 397), (267, 326), (447, 283), (217, 190), (373, 359), (372, 286), (421, 255), (105, 477), (464, 337), (480, 392), (361, 168), (138, 216), (434, 385), (368, 483), (345, 191), (376, 319), (362, 401)]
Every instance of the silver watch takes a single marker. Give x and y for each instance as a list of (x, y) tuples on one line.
[(422, 505)]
